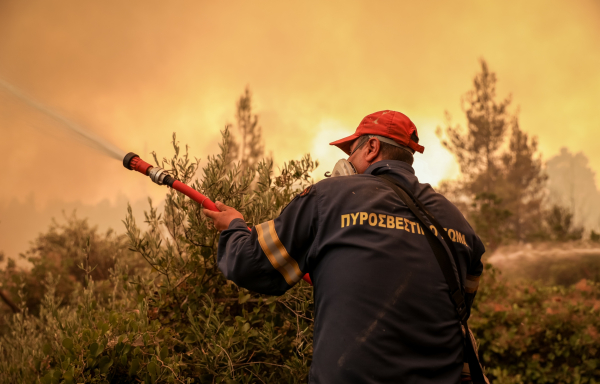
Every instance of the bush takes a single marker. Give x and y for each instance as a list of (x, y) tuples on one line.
[(180, 321), (63, 251), (531, 333), (560, 224)]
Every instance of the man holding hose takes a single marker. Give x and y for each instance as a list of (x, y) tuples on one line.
[(383, 313)]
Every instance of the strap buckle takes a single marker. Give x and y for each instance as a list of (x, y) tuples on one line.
[(461, 306)]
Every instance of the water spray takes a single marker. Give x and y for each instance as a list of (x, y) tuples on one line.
[(158, 175), (131, 161), (82, 134)]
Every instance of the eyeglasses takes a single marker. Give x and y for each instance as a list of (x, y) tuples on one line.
[(382, 139), (363, 140)]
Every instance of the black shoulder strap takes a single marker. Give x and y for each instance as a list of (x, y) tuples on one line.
[(434, 222), (445, 262)]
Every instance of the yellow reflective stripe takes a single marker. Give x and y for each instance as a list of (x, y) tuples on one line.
[(277, 254), (471, 283), (265, 248), (284, 251)]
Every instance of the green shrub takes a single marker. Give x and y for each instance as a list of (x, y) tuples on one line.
[(61, 251), (532, 333), (180, 321)]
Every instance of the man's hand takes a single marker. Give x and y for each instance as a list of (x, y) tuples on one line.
[(223, 218)]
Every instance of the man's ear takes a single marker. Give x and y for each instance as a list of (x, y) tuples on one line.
[(373, 149)]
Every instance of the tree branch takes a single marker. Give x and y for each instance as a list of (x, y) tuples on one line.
[(9, 302)]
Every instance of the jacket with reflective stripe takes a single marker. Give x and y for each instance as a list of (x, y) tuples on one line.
[(382, 309)]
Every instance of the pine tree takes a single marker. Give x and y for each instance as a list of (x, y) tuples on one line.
[(477, 148), (250, 149), (523, 184), (561, 227), (502, 180), (233, 149), (572, 185)]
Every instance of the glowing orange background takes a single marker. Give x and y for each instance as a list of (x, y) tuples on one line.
[(135, 71)]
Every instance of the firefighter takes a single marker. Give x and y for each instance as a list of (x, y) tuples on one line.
[(382, 309)]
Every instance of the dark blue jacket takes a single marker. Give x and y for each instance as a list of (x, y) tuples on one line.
[(383, 313)]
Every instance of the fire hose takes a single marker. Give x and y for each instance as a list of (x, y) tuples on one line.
[(159, 176)]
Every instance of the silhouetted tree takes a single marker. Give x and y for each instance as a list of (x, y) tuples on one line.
[(62, 250), (476, 148), (488, 217), (501, 171), (250, 149), (523, 184), (560, 223), (572, 184), (233, 149)]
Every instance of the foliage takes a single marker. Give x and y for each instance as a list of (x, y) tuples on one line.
[(251, 149), (572, 184), (179, 321), (560, 224), (490, 217), (488, 121), (60, 251), (523, 184), (501, 171), (530, 333)]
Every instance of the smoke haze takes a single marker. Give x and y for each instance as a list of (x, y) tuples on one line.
[(80, 133), (134, 72), (571, 185)]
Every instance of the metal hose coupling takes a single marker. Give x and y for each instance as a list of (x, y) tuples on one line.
[(158, 175)]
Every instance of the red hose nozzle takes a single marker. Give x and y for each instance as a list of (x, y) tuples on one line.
[(133, 162), (161, 177)]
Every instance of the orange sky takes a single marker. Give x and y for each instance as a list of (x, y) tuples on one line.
[(136, 71)]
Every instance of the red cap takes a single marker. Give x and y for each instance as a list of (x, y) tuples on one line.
[(391, 124)]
